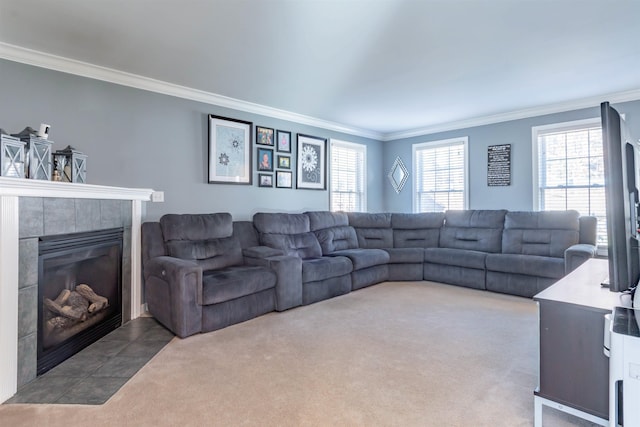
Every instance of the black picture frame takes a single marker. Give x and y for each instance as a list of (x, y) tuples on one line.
[(311, 162), (284, 179), (264, 164), (283, 143), (284, 162), (230, 151), (264, 136), (265, 180)]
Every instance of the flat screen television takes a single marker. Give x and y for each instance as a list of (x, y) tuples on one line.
[(621, 195)]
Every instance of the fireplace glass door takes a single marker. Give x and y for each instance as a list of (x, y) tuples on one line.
[(79, 292)]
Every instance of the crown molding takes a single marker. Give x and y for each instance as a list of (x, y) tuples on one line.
[(593, 101), (84, 69)]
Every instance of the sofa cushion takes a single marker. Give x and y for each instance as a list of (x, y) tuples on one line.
[(475, 218), (209, 254), (419, 230), (302, 245), (414, 221), (455, 257), (337, 239), (369, 220), (196, 226), (405, 255), (281, 223), (374, 238), (235, 282), (316, 269), (547, 233), (364, 258), (325, 219), (422, 238), (477, 230), (531, 265)]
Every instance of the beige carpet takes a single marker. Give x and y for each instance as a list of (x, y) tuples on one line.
[(395, 354)]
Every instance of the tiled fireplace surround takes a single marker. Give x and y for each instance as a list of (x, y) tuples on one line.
[(30, 209)]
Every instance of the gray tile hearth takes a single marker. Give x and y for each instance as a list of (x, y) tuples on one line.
[(95, 374)]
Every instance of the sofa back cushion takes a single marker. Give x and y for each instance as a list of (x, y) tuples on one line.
[(478, 230), (289, 232), (302, 245), (319, 220), (372, 229), (416, 230), (337, 239), (204, 238), (332, 230), (547, 233)]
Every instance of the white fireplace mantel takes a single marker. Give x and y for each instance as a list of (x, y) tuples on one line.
[(10, 190)]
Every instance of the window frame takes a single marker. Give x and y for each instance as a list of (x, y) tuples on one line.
[(464, 140), (560, 127), (362, 148)]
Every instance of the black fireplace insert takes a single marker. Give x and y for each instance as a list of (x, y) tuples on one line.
[(79, 292)]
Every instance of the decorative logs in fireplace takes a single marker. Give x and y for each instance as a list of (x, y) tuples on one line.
[(73, 311)]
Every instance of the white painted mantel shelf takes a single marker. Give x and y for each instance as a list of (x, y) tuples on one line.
[(10, 190)]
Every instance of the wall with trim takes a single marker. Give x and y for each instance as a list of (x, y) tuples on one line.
[(136, 138), (518, 133)]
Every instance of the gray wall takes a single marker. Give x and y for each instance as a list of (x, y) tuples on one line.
[(142, 139), (517, 196)]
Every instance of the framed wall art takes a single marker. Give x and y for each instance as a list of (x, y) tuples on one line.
[(284, 141), (264, 136), (230, 151), (284, 162), (284, 179), (311, 162), (265, 159), (265, 180)]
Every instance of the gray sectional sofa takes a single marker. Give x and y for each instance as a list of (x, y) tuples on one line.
[(204, 272)]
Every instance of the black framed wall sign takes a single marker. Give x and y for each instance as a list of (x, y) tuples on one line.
[(499, 165)]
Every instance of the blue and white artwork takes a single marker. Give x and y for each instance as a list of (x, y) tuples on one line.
[(229, 151)]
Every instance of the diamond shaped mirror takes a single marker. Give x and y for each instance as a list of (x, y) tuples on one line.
[(398, 175)]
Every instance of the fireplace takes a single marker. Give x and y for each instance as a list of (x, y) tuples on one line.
[(79, 292)]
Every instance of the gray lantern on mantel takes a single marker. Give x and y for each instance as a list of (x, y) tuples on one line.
[(38, 154), (71, 165), (11, 156)]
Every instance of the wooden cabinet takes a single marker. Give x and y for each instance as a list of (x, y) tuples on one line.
[(574, 372)]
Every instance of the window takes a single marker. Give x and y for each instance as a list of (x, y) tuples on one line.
[(440, 175), (348, 177), (570, 169)]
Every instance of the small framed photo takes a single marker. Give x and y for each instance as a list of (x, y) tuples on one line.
[(311, 162), (265, 180), (265, 159), (284, 141), (284, 179), (284, 162), (264, 136), (229, 151)]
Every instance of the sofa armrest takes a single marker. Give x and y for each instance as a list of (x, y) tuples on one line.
[(173, 290), (575, 255), (288, 271)]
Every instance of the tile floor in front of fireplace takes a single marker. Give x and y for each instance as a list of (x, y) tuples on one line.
[(96, 373)]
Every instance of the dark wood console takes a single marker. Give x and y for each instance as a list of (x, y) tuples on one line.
[(574, 372)]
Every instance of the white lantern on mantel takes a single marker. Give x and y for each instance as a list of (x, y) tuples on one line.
[(38, 154), (11, 156)]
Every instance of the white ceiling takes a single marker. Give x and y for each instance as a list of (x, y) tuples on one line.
[(385, 66)]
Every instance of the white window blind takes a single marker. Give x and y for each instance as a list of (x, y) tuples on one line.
[(440, 175), (571, 170), (348, 182)]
